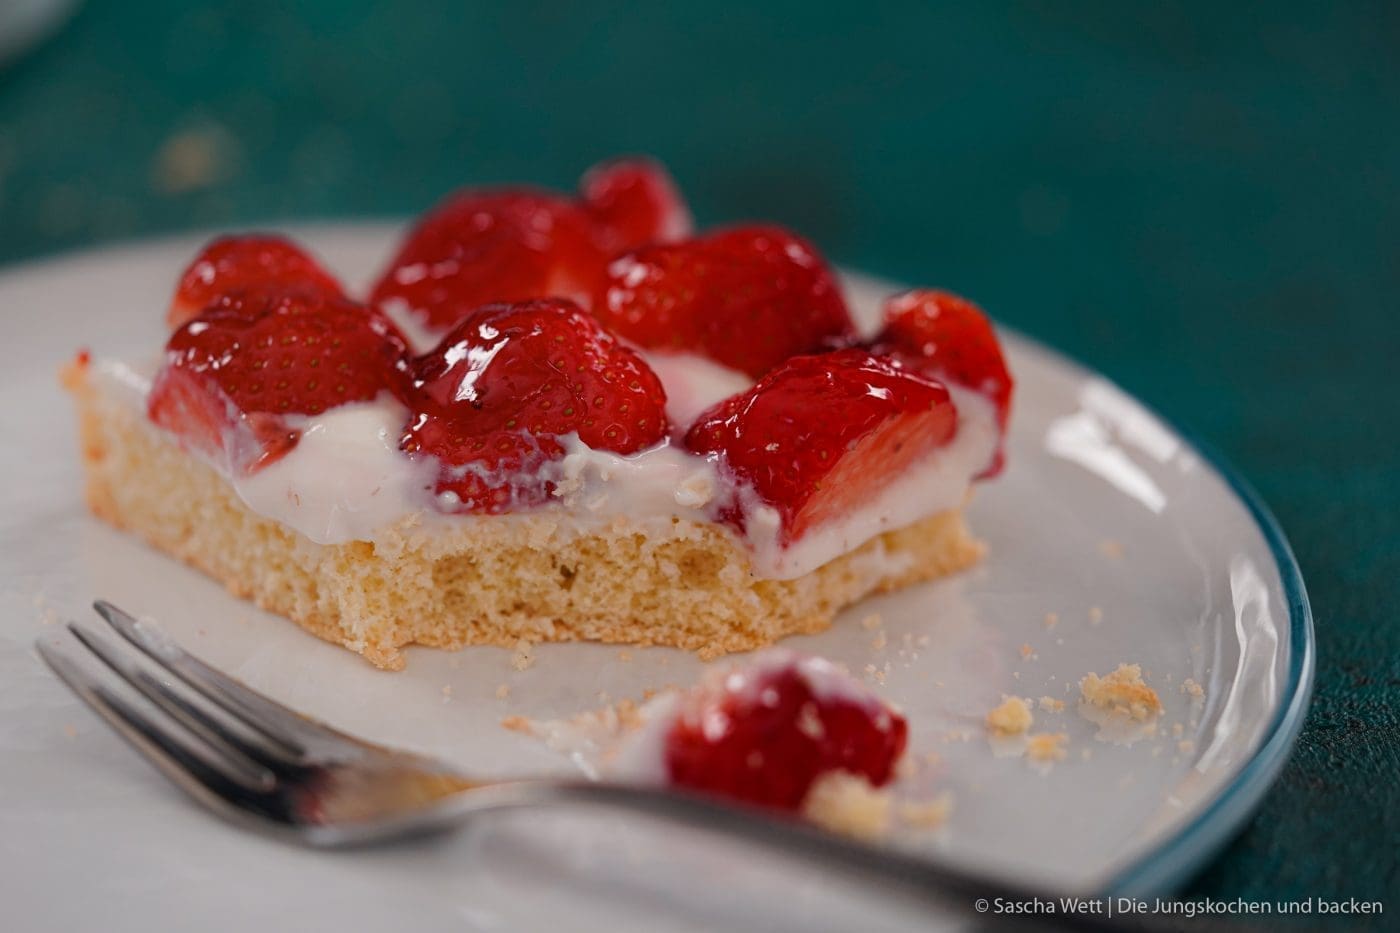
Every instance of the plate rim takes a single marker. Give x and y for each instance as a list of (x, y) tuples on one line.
[(1171, 862)]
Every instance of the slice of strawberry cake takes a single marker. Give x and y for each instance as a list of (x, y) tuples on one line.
[(554, 418)]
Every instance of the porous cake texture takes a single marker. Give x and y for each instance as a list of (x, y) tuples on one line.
[(481, 579)]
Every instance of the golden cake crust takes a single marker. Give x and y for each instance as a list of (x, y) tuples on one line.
[(483, 580)]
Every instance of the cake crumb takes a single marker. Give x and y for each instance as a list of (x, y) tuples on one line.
[(1095, 615), (1111, 549), (1011, 717), (1186, 746), (847, 804), (1050, 704), (879, 642), (629, 714), (871, 622), (524, 655), (518, 724), (1121, 693), (1027, 652), (1086, 753), (1177, 730), (624, 656), (446, 692), (927, 814), (1046, 746), (1192, 689), (1052, 619), (502, 691), (70, 730)]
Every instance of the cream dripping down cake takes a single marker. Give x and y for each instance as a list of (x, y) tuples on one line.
[(553, 418)]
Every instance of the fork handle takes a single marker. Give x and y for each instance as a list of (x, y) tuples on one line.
[(922, 879)]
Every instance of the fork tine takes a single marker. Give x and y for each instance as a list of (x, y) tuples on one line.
[(198, 770), (272, 719), (254, 746)]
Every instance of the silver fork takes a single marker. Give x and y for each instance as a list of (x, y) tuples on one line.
[(265, 767)]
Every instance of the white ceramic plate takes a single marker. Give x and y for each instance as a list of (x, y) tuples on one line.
[(1104, 515)]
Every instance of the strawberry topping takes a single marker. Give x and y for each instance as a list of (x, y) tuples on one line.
[(747, 297), (493, 398), (822, 435), (481, 247), (634, 202), (948, 338), (233, 265), (233, 373), (765, 734)]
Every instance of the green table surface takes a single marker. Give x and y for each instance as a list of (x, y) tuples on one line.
[(1200, 200)]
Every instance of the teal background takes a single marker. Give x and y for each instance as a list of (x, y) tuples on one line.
[(1202, 200)]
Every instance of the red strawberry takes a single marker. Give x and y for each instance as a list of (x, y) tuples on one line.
[(948, 338), (480, 247), (821, 435), (233, 373), (235, 264), (634, 202), (748, 297), (492, 399), (765, 734)]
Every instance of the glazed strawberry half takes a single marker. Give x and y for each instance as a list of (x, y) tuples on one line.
[(748, 298), (948, 338), (235, 376), (233, 266), (821, 435), (492, 401), (506, 245), (634, 202), (766, 733), (481, 247)]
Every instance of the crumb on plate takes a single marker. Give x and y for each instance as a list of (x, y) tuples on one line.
[(1011, 717), (524, 655), (1046, 746), (847, 804), (1121, 693)]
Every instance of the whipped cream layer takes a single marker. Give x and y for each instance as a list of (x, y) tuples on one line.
[(346, 480)]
